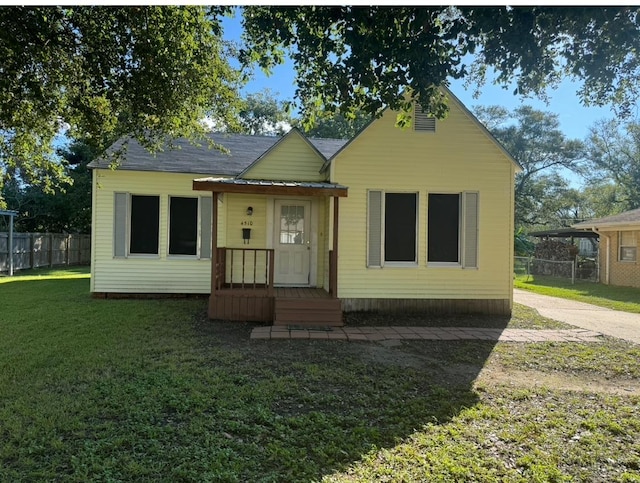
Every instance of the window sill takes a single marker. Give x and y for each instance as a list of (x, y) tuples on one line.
[(148, 256), (443, 265), (177, 256), (400, 265)]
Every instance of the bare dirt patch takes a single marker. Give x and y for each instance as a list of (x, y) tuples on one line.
[(494, 374)]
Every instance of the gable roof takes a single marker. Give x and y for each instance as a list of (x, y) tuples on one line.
[(483, 128), (292, 132), (631, 217), (189, 158), (464, 109)]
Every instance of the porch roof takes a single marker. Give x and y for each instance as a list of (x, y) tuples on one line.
[(269, 187)]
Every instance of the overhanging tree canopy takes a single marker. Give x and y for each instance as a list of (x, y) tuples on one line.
[(364, 57), (105, 72), (157, 71)]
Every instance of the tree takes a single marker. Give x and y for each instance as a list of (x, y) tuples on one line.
[(105, 72), (65, 208), (156, 72), (336, 126), (261, 113), (352, 57), (600, 198), (613, 151), (535, 140)]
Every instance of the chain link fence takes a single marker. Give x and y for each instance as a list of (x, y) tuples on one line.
[(584, 269)]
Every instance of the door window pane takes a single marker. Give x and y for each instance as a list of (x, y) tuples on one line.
[(292, 225)]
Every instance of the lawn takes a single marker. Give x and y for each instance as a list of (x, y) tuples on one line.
[(150, 390), (626, 299)]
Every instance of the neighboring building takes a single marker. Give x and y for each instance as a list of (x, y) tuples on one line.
[(619, 238), (394, 219)]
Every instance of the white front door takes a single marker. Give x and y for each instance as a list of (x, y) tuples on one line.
[(292, 242)]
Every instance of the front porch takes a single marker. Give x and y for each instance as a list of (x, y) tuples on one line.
[(243, 279), (243, 289)]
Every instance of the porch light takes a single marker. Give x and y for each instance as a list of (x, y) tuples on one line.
[(250, 210)]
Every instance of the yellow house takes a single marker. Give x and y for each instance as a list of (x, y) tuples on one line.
[(303, 229)]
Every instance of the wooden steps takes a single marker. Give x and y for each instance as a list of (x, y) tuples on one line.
[(307, 312)]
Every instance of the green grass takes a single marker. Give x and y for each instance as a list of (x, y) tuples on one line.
[(626, 299), (616, 359), (150, 390)]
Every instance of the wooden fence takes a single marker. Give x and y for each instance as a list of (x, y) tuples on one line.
[(34, 250)]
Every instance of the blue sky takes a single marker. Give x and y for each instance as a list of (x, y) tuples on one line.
[(574, 118)]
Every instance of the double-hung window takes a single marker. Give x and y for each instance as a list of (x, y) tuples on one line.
[(144, 225), (183, 226), (628, 246), (392, 228), (137, 225), (452, 229)]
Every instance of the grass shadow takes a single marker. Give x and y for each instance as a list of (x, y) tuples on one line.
[(153, 390), (324, 405)]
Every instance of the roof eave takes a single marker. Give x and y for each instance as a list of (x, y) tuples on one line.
[(268, 189)]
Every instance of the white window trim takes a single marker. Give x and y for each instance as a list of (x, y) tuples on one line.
[(461, 232), (634, 246), (383, 226)]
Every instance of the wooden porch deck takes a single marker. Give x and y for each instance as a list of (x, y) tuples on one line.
[(244, 290), (301, 293), (299, 306), (306, 307)]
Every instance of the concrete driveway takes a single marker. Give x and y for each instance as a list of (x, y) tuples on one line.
[(622, 325)]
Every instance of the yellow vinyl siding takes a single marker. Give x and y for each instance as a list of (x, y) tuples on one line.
[(292, 159), (160, 273), (262, 235), (458, 157), (236, 216), (237, 219)]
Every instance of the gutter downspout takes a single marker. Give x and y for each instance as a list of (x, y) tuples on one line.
[(607, 273)]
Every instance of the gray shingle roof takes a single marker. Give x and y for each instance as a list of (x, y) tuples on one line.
[(243, 150), (626, 218)]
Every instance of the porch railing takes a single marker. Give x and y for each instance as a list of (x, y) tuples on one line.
[(244, 269)]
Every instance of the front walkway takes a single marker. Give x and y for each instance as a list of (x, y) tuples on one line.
[(425, 333)]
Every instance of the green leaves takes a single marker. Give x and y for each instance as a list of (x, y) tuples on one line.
[(535, 140), (614, 158), (365, 58), (104, 72)]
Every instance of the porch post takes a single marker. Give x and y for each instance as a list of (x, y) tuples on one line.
[(214, 252), (333, 268)]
